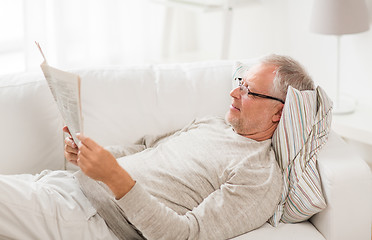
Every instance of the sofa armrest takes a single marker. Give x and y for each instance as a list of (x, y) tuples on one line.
[(346, 181)]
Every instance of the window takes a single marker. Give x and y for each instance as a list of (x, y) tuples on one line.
[(78, 34), (12, 56)]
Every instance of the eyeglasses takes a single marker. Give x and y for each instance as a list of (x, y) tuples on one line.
[(248, 92)]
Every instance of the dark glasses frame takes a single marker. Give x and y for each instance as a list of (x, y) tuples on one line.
[(249, 92)]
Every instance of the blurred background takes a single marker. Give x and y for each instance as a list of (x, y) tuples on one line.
[(82, 33)]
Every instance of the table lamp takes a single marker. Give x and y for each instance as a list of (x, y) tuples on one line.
[(339, 17)]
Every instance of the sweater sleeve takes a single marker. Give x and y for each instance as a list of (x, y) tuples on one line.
[(238, 206)]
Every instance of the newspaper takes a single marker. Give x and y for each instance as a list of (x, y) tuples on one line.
[(65, 88)]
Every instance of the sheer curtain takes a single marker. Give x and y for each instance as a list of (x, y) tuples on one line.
[(79, 33)]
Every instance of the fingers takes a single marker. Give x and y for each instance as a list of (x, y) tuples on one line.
[(84, 151), (87, 155), (97, 163), (66, 130), (89, 151), (70, 142), (71, 156), (81, 161), (71, 151), (86, 159), (88, 142)]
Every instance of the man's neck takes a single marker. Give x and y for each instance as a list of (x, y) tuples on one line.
[(261, 136)]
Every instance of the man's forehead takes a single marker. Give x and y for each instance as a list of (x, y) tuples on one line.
[(265, 67), (261, 70), (261, 75)]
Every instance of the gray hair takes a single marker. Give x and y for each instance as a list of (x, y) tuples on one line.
[(289, 72)]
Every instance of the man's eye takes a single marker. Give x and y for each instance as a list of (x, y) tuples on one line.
[(249, 93)]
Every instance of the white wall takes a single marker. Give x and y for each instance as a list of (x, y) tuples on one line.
[(282, 26)]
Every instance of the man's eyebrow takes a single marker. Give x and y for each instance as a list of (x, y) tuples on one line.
[(247, 84)]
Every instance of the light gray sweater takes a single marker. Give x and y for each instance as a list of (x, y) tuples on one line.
[(202, 182)]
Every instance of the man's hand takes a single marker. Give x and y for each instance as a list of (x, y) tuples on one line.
[(101, 165), (71, 149)]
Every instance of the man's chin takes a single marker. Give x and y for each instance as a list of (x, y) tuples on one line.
[(228, 117), (231, 120)]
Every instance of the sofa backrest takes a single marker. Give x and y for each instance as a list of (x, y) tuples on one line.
[(120, 105)]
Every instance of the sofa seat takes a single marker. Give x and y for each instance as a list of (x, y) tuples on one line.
[(298, 231)]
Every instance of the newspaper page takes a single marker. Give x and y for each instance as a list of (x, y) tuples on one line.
[(65, 88)]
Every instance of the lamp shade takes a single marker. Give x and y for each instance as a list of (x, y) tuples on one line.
[(339, 17)]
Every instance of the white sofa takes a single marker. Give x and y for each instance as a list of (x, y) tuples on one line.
[(120, 104)]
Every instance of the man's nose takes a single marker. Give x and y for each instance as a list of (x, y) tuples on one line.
[(235, 93)]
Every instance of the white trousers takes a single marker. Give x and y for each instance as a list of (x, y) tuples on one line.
[(49, 205)]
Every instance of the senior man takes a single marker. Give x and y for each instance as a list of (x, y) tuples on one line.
[(214, 179)]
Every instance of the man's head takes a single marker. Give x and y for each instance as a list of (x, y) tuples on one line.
[(254, 115)]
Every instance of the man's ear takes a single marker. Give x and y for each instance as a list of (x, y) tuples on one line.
[(278, 114)]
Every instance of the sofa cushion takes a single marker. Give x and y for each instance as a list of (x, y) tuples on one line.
[(30, 124), (122, 104), (303, 231)]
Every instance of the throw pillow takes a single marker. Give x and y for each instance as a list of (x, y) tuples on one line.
[(301, 133)]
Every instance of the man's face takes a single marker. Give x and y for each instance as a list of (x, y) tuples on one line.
[(253, 116)]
